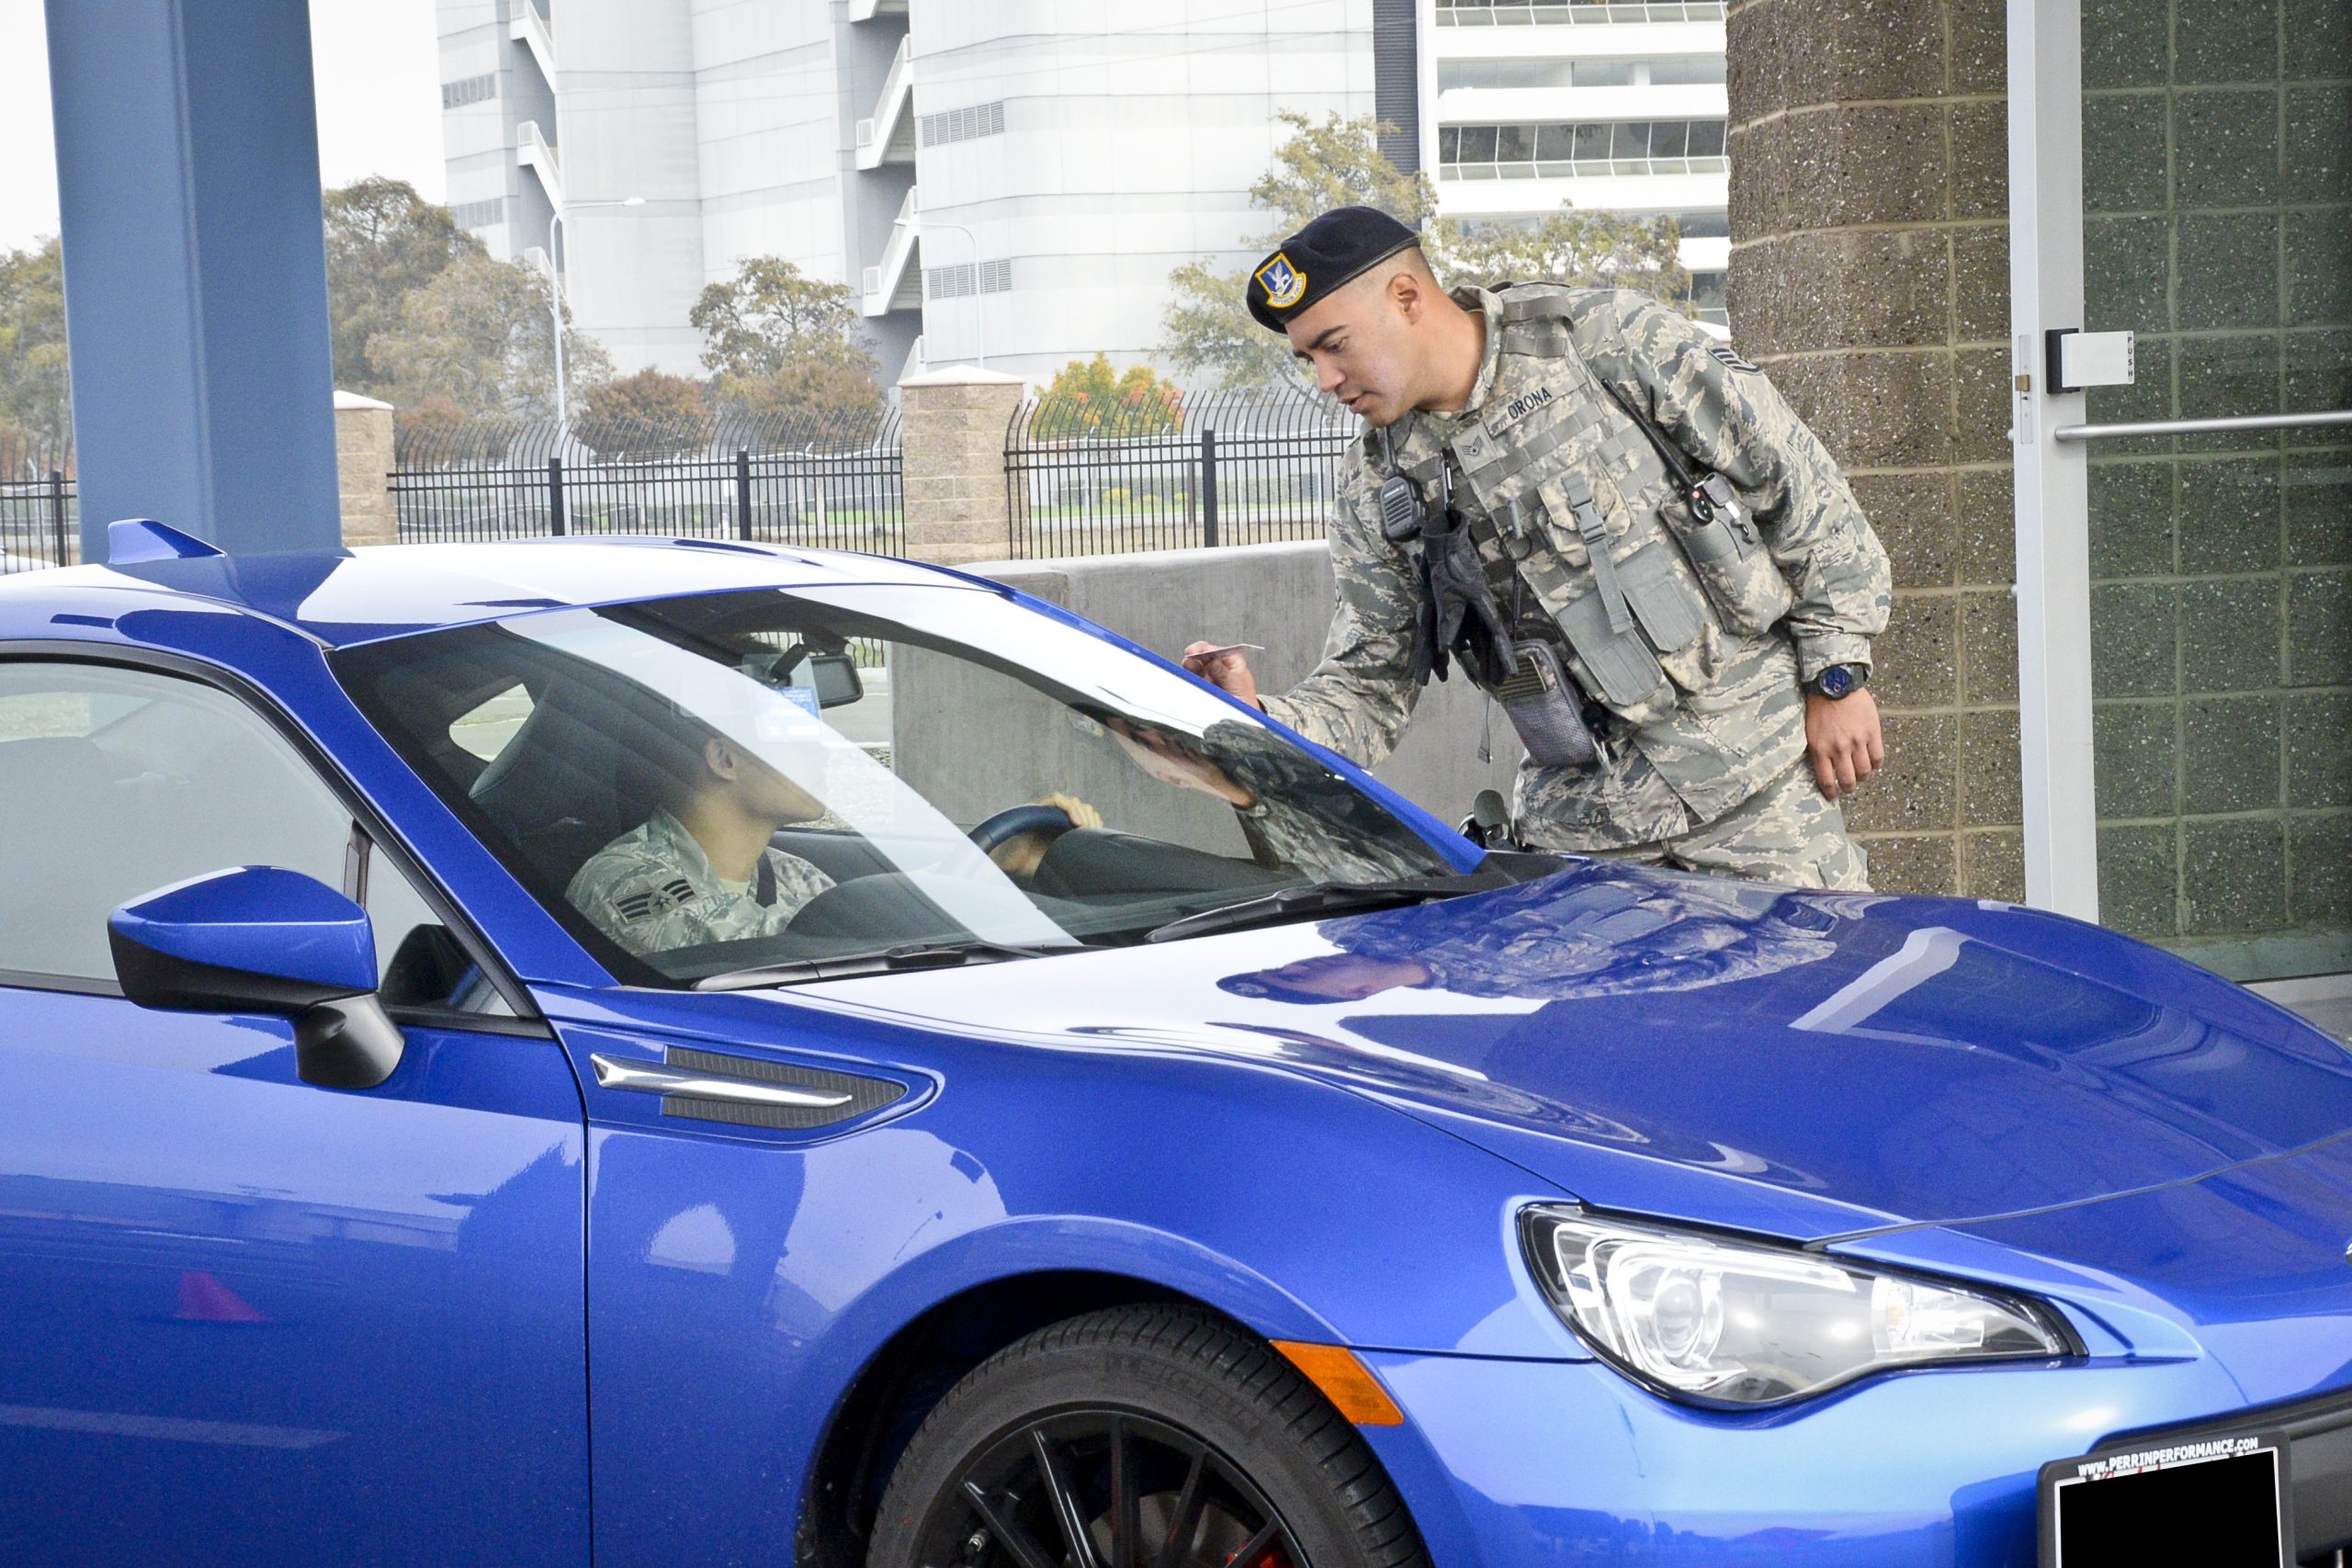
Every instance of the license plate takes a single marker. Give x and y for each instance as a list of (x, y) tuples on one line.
[(2219, 1502)]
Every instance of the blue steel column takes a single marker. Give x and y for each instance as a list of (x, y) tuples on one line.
[(196, 299)]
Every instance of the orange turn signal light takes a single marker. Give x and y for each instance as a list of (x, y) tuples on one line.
[(1346, 1381)]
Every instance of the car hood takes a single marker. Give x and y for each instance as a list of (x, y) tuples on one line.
[(1805, 1064)]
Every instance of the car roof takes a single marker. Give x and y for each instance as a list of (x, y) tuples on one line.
[(346, 597)]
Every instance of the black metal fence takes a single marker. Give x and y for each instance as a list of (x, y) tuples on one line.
[(40, 517), (1237, 467), (831, 483)]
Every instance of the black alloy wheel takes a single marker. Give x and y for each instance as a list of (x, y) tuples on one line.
[(1141, 1437), (1138, 1491)]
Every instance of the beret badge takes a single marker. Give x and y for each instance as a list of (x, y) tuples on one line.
[(1330, 252), (1284, 285)]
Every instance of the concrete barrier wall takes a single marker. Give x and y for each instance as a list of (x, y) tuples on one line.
[(1279, 595)]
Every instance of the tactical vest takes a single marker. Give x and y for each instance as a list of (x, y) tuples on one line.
[(1587, 539)]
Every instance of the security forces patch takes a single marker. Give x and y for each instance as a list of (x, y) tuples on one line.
[(1728, 358), (1284, 285)]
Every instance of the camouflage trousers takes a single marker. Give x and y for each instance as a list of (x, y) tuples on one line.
[(1786, 832)]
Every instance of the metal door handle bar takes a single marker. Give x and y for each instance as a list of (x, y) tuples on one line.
[(612, 1073), (2201, 426)]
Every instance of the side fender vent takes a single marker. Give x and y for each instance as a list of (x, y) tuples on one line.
[(864, 1095)]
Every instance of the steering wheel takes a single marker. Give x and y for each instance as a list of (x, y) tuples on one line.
[(1015, 821)]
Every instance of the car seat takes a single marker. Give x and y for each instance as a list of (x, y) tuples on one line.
[(553, 791)]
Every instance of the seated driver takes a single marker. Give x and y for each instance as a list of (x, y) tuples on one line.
[(701, 868)]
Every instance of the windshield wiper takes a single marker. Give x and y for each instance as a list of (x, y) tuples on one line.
[(1331, 897), (889, 960)]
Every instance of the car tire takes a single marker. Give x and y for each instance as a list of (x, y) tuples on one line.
[(1219, 1437)]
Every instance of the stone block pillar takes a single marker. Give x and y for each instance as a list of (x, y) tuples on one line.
[(951, 431), (363, 462), (1869, 277)]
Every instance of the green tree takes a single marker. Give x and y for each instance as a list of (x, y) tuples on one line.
[(36, 391), (1088, 398), (783, 345), (384, 243), (649, 415), (808, 399), (1571, 246), (478, 337), (771, 316), (1338, 163), (437, 432)]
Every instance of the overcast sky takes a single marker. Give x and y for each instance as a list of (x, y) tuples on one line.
[(378, 74)]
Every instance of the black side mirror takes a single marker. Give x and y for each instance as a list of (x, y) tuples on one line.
[(1489, 824), (261, 939)]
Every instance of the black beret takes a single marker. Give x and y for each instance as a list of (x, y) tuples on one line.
[(1335, 249)]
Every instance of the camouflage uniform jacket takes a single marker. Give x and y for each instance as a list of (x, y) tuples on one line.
[(1694, 640), (653, 890)]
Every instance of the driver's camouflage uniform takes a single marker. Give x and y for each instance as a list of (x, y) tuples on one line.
[(653, 890), (1691, 642)]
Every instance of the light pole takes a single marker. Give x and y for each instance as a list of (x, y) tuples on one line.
[(555, 288), (979, 310)]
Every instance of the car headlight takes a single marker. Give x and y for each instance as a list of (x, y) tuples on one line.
[(1741, 1324)]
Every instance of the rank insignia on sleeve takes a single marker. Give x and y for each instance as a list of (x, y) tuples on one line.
[(1729, 358), (1284, 285), (675, 894)]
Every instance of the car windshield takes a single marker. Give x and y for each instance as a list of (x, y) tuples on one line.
[(707, 786)]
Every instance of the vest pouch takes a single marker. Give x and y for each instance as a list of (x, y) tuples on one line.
[(1623, 670), (1545, 708), (1741, 578), (1669, 613), (1707, 543)]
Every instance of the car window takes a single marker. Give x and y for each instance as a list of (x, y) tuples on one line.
[(705, 785), (419, 963), (118, 781), (484, 729)]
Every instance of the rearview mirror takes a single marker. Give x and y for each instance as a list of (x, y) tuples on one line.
[(262, 939), (836, 679)]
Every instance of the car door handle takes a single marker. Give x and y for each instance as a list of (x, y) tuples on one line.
[(645, 1079)]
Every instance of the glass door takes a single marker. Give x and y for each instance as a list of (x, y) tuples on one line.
[(2190, 531)]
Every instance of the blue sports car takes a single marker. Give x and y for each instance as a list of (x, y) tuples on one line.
[(664, 1051)]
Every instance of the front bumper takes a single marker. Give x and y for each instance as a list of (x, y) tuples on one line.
[(1520, 1462)]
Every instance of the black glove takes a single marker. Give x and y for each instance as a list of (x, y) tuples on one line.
[(1467, 621), (1429, 658)]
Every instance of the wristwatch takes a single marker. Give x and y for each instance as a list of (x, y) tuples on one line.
[(1839, 681)]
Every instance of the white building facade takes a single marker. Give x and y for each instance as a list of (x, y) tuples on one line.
[(1010, 182), (1004, 181), (1619, 107)]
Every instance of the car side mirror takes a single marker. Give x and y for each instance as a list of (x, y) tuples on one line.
[(261, 939), (836, 679)]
